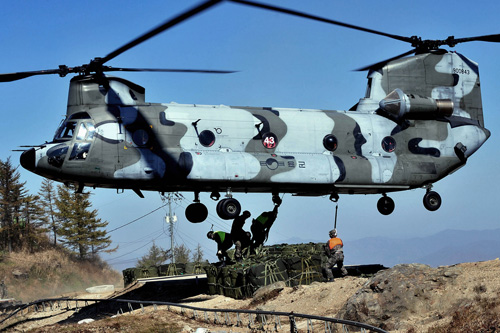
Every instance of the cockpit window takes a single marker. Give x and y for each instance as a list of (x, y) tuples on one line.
[(91, 131), (57, 154), (82, 132), (66, 131), (85, 131), (80, 151), (80, 115)]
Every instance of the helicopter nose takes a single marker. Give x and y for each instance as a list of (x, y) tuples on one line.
[(28, 159)]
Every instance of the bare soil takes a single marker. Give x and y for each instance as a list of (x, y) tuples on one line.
[(477, 281)]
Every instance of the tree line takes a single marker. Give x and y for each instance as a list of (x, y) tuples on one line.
[(55, 216), (156, 256)]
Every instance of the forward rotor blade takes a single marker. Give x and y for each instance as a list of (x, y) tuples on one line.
[(382, 63), (321, 19), (206, 71), (168, 24), (9, 77)]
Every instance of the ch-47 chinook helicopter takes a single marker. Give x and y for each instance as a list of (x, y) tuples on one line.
[(420, 120)]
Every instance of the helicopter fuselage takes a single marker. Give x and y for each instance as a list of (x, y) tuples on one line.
[(112, 138), (181, 147)]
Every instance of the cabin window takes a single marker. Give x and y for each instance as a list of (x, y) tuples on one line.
[(330, 142), (388, 144), (269, 140), (140, 137), (207, 138)]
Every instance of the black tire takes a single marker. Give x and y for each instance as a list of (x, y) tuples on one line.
[(218, 208), (196, 212), (228, 208), (432, 201), (385, 205)]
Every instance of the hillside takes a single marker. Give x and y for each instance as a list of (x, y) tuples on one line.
[(28, 277), (406, 298)]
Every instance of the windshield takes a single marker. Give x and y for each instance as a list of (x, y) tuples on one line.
[(65, 131), (84, 131)]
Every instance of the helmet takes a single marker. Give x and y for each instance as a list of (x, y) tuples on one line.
[(210, 234), (333, 233), (246, 214)]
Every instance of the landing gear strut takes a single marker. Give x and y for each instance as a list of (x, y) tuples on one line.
[(196, 212), (385, 205), (228, 208), (276, 199)]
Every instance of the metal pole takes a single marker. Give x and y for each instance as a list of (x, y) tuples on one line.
[(171, 219)]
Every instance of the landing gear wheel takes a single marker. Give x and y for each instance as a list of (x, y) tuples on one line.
[(385, 205), (218, 208), (228, 208), (432, 201), (196, 212)]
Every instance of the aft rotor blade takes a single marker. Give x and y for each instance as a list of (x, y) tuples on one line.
[(9, 77), (168, 24), (321, 19), (207, 71), (382, 63), (486, 38)]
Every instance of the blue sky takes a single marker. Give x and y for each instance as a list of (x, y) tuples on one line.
[(282, 61)]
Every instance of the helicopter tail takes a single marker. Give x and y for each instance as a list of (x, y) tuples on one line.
[(433, 84)]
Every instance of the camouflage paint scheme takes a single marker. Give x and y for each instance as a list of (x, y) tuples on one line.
[(122, 142)]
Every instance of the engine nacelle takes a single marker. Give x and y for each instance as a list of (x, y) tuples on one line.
[(408, 106)]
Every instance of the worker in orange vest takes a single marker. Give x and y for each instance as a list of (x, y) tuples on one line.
[(334, 249)]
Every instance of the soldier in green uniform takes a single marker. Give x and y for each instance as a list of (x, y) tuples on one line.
[(241, 239), (262, 224), (224, 242)]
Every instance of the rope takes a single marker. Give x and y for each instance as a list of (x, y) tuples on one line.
[(336, 210), (305, 261)]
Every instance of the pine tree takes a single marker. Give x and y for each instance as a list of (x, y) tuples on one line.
[(155, 257), (80, 228), (181, 254), (12, 192), (98, 239), (48, 195), (32, 218), (198, 254)]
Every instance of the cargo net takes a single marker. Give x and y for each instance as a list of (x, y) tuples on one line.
[(295, 264)]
